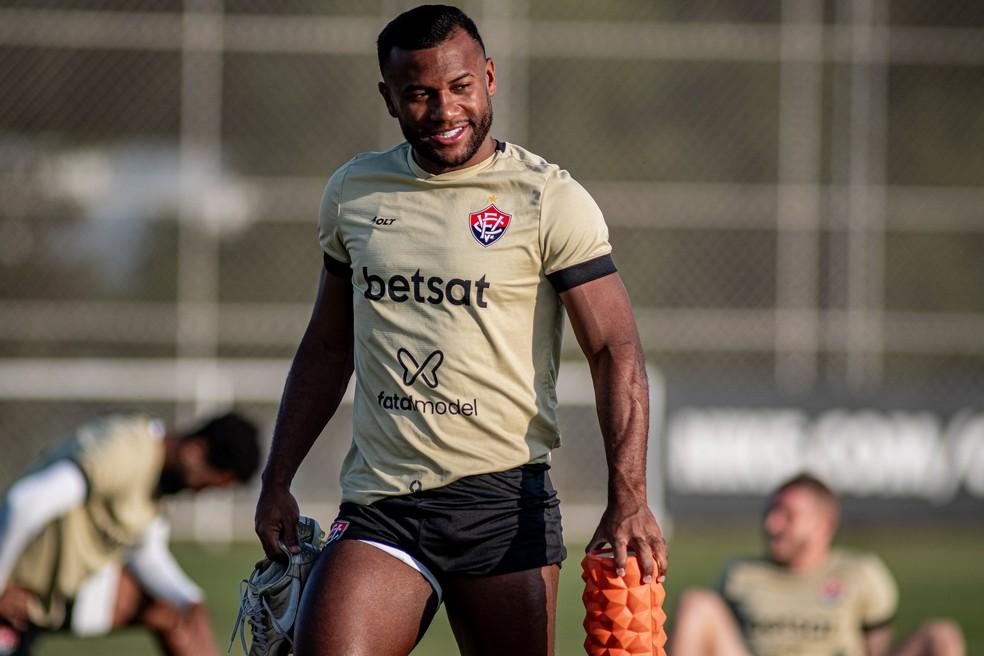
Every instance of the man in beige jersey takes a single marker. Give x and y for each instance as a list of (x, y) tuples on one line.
[(448, 263), (805, 598), (83, 547)]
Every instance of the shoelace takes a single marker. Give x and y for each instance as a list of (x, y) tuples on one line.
[(251, 613), (255, 614)]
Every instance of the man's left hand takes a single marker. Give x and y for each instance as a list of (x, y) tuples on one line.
[(14, 603), (630, 525)]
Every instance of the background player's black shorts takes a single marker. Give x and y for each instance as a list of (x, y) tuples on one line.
[(476, 526), (27, 638), (23, 639)]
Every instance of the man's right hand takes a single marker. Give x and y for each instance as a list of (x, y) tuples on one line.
[(276, 521), (14, 603)]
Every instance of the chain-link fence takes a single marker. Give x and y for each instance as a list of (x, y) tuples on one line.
[(794, 187)]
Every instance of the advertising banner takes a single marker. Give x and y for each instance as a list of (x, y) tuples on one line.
[(890, 451)]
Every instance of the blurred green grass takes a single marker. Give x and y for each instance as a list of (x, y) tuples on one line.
[(938, 569)]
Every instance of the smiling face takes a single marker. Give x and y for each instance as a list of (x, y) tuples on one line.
[(442, 99)]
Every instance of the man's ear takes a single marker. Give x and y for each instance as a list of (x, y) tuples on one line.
[(384, 92), (195, 450), (490, 75), (834, 522)]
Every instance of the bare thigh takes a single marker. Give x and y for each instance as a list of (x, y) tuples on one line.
[(134, 607), (130, 601), (704, 626), (179, 632), (506, 614), (933, 638), (360, 601)]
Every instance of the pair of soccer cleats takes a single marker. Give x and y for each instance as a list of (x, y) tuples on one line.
[(270, 597)]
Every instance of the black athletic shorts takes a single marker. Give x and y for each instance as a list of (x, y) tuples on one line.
[(476, 526), (25, 639), (15, 642)]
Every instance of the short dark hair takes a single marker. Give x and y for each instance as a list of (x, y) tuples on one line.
[(812, 483), (232, 442), (423, 27)]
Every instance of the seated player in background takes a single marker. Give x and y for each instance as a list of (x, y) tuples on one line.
[(803, 597), (83, 546)]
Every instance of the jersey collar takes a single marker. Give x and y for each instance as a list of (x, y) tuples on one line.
[(450, 175)]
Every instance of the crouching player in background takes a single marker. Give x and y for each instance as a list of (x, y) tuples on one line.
[(83, 547), (803, 597)]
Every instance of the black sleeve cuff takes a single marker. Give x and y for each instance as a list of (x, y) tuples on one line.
[(873, 626), (581, 273), (337, 267)]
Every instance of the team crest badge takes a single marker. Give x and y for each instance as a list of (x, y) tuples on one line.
[(833, 591), (337, 529), (488, 225)]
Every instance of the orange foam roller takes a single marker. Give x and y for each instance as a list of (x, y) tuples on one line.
[(623, 615)]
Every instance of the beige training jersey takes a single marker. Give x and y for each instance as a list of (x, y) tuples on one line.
[(121, 459), (818, 613), (458, 322)]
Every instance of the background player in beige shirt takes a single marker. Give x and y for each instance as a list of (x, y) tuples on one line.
[(804, 598), (83, 546), (448, 263)]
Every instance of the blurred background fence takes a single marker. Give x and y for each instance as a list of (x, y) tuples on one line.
[(795, 190)]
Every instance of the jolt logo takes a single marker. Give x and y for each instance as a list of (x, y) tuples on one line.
[(427, 371)]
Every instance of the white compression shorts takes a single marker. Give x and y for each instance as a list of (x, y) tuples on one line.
[(411, 562), (154, 567), (92, 609)]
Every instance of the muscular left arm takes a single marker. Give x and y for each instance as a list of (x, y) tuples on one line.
[(601, 316), (877, 641), (177, 612)]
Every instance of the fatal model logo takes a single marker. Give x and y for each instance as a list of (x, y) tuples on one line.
[(488, 225), (426, 371)]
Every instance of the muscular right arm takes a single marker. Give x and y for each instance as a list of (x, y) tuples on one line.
[(315, 386)]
